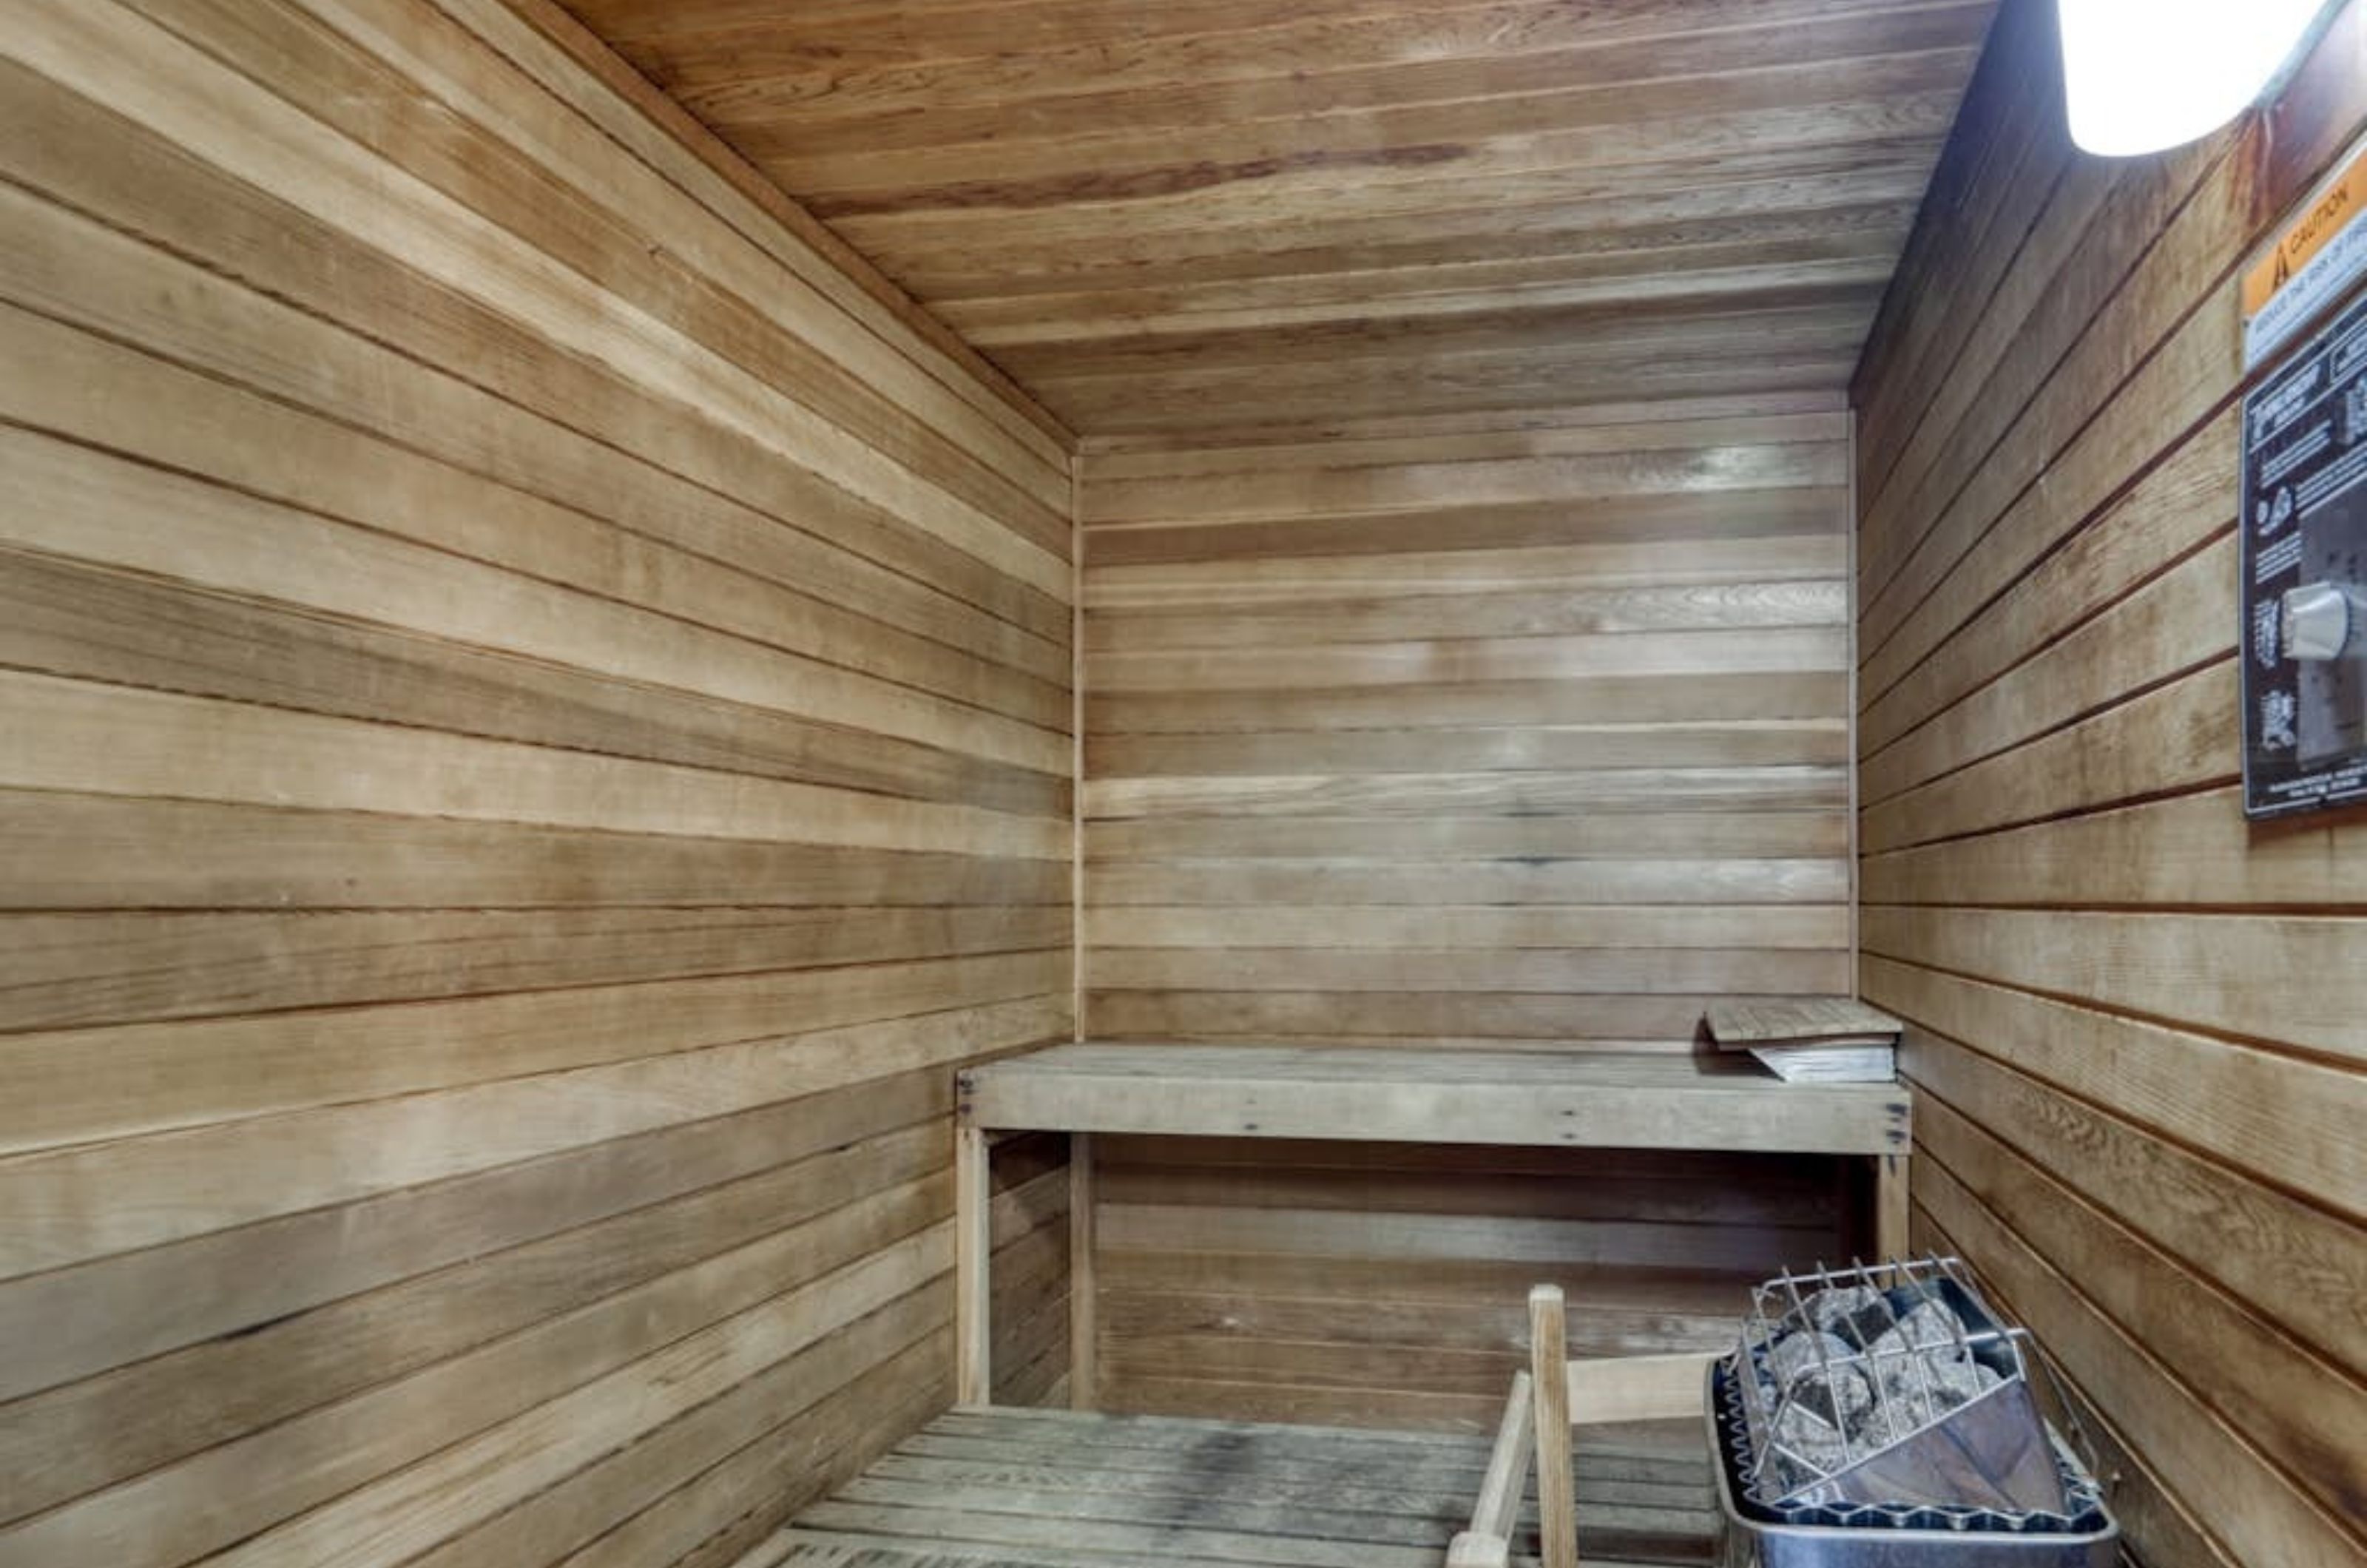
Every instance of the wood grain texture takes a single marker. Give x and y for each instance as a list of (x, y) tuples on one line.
[(1465, 733), (1549, 1390), (538, 719), (1365, 769), (1065, 1490), (1245, 212), (2133, 1019), (1594, 1100), (1386, 1285)]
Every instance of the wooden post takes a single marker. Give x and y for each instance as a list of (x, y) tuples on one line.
[(1890, 1206), (1084, 1323), (973, 1244), (1470, 1549), (1488, 1542), (1549, 1380)]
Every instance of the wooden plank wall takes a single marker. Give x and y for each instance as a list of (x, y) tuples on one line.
[(1170, 217), (1519, 733), (536, 720), (2137, 1023)]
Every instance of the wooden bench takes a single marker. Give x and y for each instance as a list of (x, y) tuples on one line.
[(1533, 1099)]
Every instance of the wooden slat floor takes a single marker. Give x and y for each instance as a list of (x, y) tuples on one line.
[(1009, 1488)]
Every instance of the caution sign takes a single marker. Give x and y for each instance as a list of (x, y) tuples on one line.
[(2312, 262)]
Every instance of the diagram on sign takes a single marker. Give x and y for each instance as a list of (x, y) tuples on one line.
[(2305, 576)]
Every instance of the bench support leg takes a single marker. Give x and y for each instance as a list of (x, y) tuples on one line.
[(1890, 1206), (1084, 1328), (973, 1242)]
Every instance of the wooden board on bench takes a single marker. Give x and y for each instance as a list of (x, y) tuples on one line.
[(1596, 1100)]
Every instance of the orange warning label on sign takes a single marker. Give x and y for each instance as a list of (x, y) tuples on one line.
[(2330, 211), (2316, 259)]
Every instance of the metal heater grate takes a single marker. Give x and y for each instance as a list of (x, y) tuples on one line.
[(1870, 1407)]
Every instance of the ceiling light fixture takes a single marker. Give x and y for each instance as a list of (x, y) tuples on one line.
[(2143, 76)]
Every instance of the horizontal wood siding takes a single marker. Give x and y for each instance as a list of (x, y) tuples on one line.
[(1525, 734), (1211, 216), (536, 716), (2136, 1023), (1386, 1285)]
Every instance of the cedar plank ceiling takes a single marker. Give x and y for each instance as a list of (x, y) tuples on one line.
[(1169, 216)]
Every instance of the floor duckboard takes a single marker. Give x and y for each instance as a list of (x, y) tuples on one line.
[(1009, 1488)]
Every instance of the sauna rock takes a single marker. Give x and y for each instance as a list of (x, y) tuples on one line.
[(1845, 1376)]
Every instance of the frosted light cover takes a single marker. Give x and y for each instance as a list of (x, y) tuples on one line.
[(2141, 76)]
